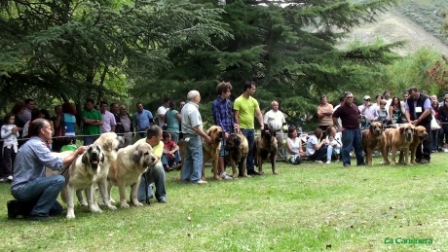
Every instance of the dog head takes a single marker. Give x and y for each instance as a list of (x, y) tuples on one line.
[(407, 131), (109, 141), (215, 133), (144, 156), (376, 129), (233, 142), (267, 133), (93, 157), (420, 133)]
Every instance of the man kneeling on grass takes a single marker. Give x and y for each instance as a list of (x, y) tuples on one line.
[(35, 194)]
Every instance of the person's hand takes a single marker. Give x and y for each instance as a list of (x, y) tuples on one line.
[(415, 122), (81, 150), (15, 129), (226, 135), (341, 129), (236, 128), (155, 161), (208, 139)]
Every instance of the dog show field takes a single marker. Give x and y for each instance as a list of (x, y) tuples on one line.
[(310, 207)]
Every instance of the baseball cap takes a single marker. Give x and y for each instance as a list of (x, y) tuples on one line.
[(366, 97)]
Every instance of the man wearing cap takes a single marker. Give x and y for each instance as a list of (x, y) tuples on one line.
[(368, 112)]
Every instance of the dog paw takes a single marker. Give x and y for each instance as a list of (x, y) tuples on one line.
[(70, 216), (112, 207), (124, 205), (96, 210), (137, 203), (218, 177), (275, 173), (83, 203)]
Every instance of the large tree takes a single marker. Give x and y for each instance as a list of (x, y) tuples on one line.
[(74, 49)]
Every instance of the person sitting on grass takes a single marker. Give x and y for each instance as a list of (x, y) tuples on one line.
[(29, 186), (294, 152), (315, 148), (335, 146), (171, 158)]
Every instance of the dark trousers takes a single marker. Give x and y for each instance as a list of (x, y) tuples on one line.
[(9, 156), (427, 144), (352, 139), (320, 154)]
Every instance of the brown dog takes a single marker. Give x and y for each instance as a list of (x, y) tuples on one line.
[(265, 147), (397, 139), (420, 134), (371, 139), (211, 151), (238, 148)]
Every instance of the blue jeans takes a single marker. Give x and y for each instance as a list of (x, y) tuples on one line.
[(170, 162), (156, 176), (44, 191), (435, 139), (88, 140), (192, 166), (250, 135), (320, 154), (351, 139)]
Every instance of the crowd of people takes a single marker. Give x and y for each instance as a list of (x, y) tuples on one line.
[(338, 133)]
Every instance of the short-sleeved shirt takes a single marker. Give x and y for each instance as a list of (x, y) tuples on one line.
[(171, 120), (246, 108), (161, 111), (89, 129), (157, 150), (191, 118), (275, 119), (169, 146), (108, 121), (310, 145), (143, 120), (349, 116)]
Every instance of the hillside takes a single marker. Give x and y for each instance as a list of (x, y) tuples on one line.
[(393, 26)]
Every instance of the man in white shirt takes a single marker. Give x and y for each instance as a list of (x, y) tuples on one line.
[(161, 111), (275, 119)]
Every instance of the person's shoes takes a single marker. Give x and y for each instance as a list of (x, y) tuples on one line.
[(252, 172), (13, 209), (347, 165), (3, 180), (201, 182), (298, 161), (225, 176), (328, 162), (41, 218), (178, 167), (9, 178), (424, 161), (162, 199), (418, 161)]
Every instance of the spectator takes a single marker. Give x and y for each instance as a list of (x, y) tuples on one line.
[(114, 109), (69, 122), (435, 133), (222, 116), (335, 146), (368, 113), (443, 113), (434, 98), (383, 115), (192, 128), (109, 122), (26, 115), (395, 112), (181, 135), (35, 113), (275, 119), (161, 111), (143, 119), (378, 99), (341, 100), (173, 118), (127, 126), (156, 175), (324, 112), (17, 110), (245, 108), (386, 96), (181, 104), (171, 157), (44, 114), (59, 128), (93, 121), (315, 148), (351, 134), (29, 183), (9, 135), (294, 151), (418, 112)]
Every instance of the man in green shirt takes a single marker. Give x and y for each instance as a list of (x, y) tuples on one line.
[(245, 108), (92, 121)]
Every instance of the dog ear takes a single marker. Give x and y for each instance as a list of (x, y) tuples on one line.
[(85, 158), (137, 155), (371, 128), (401, 130)]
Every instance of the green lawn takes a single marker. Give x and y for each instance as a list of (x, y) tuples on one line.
[(311, 207)]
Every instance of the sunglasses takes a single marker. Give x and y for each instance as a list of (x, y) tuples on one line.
[(367, 100)]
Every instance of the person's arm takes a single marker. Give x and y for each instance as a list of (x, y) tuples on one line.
[(179, 117), (70, 158), (217, 118), (391, 112), (175, 148), (202, 134), (260, 118), (320, 113), (236, 115), (113, 123)]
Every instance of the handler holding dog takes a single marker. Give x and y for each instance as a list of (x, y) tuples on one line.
[(30, 186)]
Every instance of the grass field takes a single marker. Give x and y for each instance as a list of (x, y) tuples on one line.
[(311, 207)]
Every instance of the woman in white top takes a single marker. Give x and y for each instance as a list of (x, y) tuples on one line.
[(294, 151), (9, 134)]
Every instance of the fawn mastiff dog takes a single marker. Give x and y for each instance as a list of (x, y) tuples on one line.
[(398, 139), (265, 147), (238, 148), (420, 134), (371, 139)]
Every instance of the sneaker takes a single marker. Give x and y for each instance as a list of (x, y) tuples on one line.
[(9, 177), (445, 150), (201, 182), (3, 180), (328, 162), (225, 176), (162, 199), (319, 162)]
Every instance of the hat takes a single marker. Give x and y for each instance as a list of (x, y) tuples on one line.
[(366, 97)]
